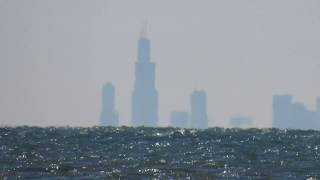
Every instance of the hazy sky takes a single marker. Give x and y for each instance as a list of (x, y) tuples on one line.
[(56, 55)]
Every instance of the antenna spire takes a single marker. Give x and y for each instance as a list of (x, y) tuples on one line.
[(144, 29)]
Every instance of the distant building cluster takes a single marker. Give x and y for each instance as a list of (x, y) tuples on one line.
[(286, 114), (145, 98), (197, 118)]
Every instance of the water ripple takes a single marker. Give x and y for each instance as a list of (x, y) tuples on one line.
[(160, 153)]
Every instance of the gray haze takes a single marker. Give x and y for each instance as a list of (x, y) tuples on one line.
[(56, 55)]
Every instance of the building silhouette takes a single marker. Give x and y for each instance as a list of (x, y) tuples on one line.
[(179, 119), (281, 111), (199, 117), (287, 114), (109, 116), (145, 95)]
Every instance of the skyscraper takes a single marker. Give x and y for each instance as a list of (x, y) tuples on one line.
[(109, 116), (145, 95), (281, 111), (199, 117), (287, 114)]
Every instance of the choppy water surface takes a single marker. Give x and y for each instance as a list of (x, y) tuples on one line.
[(161, 153)]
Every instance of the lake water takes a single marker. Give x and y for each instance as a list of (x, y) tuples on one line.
[(158, 153)]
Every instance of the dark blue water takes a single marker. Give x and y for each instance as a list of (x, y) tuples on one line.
[(160, 153)]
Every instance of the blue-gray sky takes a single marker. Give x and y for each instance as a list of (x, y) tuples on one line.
[(56, 55)]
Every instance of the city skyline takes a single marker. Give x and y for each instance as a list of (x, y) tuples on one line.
[(294, 115), (55, 57), (145, 97), (285, 112)]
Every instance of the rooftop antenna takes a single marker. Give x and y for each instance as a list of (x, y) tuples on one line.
[(144, 29)]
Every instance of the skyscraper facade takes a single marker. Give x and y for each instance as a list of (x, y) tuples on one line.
[(109, 116), (287, 114), (281, 111), (199, 117), (145, 95)]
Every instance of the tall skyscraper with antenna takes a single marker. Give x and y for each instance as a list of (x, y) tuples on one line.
[(145, 95)]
